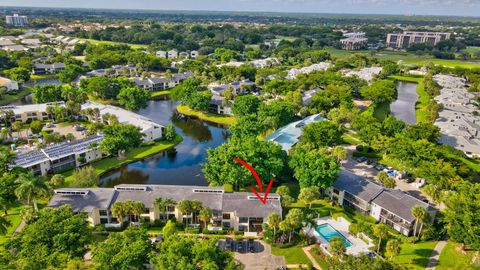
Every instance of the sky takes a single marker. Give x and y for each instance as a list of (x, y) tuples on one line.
[(401, 7)]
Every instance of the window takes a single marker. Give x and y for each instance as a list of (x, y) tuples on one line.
[(243, 219), (114, 220), (103, 212), (242, 228), (226, 224), (226, 216), (103, 220)]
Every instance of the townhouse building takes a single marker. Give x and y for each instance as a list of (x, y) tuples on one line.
[(391, 207), (61, 156), (240, 211), (30, 112), (40, 68)]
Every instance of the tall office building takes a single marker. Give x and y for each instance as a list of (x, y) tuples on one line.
[(16, 20), (407, 38)]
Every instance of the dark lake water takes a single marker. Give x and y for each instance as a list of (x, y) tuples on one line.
[(178, 166), (404, 107)]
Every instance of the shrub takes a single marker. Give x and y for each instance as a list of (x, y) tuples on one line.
[(228, 188)]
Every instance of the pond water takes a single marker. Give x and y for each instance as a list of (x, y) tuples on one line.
[(404, 107), (179, 165)]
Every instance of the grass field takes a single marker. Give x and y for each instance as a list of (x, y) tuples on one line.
[(453, 258), (9, 98), (15, 219), (407, 57), (107, 164), (160, 94), (293, 255), (215, 118), (96, 42), (415, 256)]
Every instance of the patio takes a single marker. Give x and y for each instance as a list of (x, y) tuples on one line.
[(357, 247)]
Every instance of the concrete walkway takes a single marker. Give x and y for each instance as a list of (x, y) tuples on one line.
[(20, 227), (433, 261), (310, 257)]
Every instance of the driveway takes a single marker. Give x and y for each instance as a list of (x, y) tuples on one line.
[(261, 259)]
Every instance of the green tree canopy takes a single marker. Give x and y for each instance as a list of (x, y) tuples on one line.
[(246, 105), (268, 159), (380, 91), (323, 133), (133, 98), (120, 137), (314, 168)]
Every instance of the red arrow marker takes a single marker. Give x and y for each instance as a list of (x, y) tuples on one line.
[(259, 182)]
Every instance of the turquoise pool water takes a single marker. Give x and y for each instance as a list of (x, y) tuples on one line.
[(328, 232)]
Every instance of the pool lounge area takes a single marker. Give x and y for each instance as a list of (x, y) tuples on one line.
[(328, 227), (288, 135)]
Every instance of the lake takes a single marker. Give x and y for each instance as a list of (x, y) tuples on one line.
[(404, 107), (179, 165)]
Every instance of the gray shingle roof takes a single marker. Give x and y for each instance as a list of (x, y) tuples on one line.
[(357, 186), (399, 203), (95, 198), (246, 204)]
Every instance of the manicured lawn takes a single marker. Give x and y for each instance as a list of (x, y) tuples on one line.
[(216, 118), (97, 42), (9, 98), (314, 251), (107, 164), (293, 255), (415, 256), (453, 258), (407, 57), (41, 76), (15, 220), (160, 93)]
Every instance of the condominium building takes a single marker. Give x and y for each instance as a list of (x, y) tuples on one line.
[(240, 211), (148, 128), (16, 20), (458, 119), (389, 206), (407, 38), (30, 112), (354, 41), (60, 156)]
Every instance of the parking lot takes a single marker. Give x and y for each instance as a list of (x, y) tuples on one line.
[(260, 257), (368, 170)]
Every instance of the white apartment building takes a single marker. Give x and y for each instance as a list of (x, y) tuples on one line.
[(407, 38), (16, 20), (148, 128)]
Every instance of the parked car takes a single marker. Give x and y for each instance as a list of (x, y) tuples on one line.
[(369, 161), (158, 239), (49, 125), (251, 245), (228, 244), (79, 128), (240, 246), (379, 167), (361, 159)]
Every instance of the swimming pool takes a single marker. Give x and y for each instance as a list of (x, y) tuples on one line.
[(328, 232)]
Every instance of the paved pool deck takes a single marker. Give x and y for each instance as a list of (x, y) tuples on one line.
[(340, 225)]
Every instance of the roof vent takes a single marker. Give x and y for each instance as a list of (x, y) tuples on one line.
[(71, 192), (200, 190), (131, 188)]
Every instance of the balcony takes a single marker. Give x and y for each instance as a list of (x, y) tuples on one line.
[(394, 220)]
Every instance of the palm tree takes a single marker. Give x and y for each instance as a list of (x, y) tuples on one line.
[(380, 231), (30, 187), (4, 223), (168, 202), (419, 213), (205, 215), (273, 220), (393, 248), (160, 204), (138, 208), (196, 208), (119, 211), (185, 207)]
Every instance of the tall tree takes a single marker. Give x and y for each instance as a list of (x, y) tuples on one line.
[(205, 216), (273, 220), (323, 133), (393, 248), (133, 98), (314, 168), (420, 215), (309, 195), (380, 231), (337, 247), (30, 187)]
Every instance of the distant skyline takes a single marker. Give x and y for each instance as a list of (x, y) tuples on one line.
[(397, 7)]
